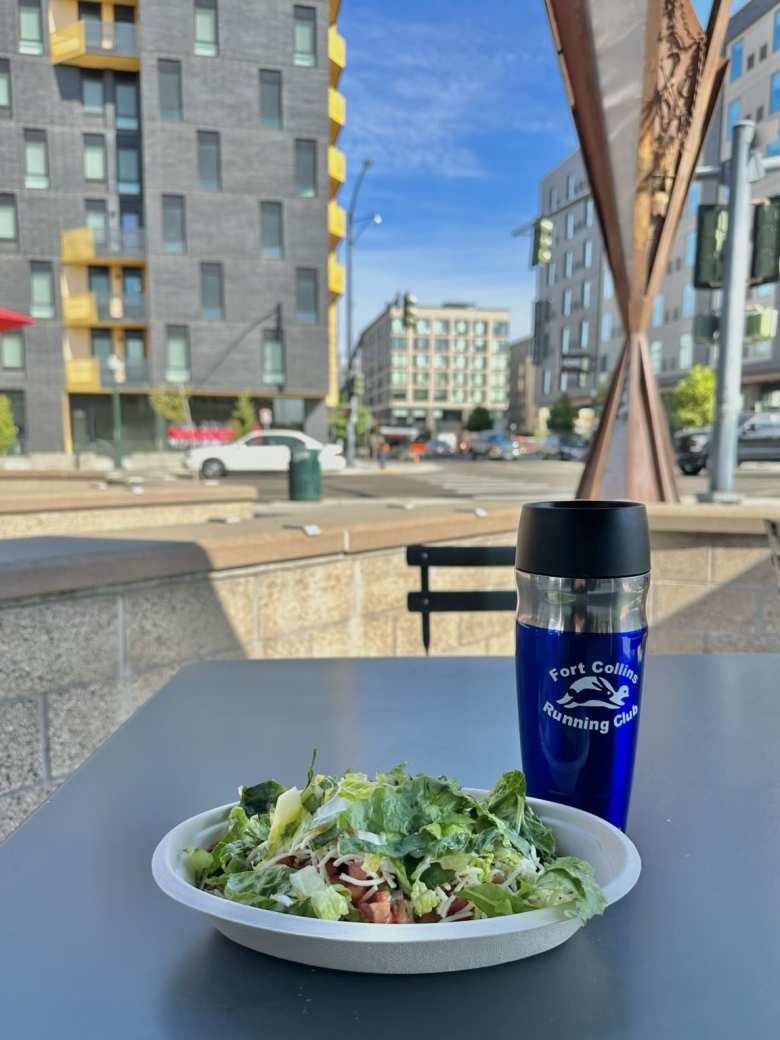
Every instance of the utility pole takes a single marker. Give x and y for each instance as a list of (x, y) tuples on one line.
[(351, 353), (736, 269)]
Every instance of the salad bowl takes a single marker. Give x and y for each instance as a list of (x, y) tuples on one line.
[(401, 948)]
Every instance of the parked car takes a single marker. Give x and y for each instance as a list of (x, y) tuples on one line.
[(437, 449), (758, 441), (567, 446), (493, 446), (261, 451)]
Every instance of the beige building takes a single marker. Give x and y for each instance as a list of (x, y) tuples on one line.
[(434, 375)]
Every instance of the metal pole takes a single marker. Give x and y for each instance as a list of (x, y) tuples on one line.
[(353, 401), (116, 411), (723, 450)]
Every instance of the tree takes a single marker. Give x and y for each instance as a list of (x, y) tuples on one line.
[(173, 405), (562, 416), (244, 417), (8, 428), (338, 421), (479, 420), (693, 399)]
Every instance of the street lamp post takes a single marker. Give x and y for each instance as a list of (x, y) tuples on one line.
[(352, 237)]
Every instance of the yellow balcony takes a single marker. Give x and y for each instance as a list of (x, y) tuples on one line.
[(336, 277), (337, 52), (82, 375), (85, 310), (80, 310), (337, 113), (96, 45), (337, 223), (337, 169), (79, 246)]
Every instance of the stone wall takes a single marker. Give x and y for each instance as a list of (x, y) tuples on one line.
[(76, 664)]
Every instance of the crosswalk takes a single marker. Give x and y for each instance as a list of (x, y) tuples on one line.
[(514, 486)]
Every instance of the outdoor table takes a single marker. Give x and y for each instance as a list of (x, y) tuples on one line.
[(91, 948)]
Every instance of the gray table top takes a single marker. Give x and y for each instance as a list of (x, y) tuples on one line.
[(90, 948)]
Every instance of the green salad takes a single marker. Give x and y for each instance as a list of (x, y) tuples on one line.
[(397, 849)]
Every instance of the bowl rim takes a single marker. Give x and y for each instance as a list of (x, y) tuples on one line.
[(171, 882)]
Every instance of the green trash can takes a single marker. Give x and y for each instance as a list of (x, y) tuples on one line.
[(304, 475)]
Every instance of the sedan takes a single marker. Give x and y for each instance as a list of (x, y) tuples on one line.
[(268, 451), (494, 446)]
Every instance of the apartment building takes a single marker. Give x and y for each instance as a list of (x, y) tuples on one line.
[(434, 375), (583, 334), (168, 213), (521, 412)]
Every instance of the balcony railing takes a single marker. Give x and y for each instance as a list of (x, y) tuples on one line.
[(337, 113), (337, 169), (83, 310), (337, 223), (82, 246), (91, 374), (337, 53), (100, 45)]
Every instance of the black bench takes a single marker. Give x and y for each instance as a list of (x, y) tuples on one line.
[(426, 602)]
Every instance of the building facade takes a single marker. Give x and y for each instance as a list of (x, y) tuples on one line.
[(582, 336), (434, 375), (521, 414), (168, 213)]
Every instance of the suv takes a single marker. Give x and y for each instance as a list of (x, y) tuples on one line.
[(759, 441), (493, 446)]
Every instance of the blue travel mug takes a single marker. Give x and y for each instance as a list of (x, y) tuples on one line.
[(583, 573)]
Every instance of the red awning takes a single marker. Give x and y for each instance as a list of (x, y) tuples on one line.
[(12, 320)]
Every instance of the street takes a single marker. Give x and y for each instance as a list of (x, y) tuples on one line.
[(526, 479)]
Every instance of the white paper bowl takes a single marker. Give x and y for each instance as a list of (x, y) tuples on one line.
[(403, 948)]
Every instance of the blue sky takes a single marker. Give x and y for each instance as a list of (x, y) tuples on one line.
[(460, 107)]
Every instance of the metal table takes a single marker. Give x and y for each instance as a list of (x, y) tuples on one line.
[(90, 948)]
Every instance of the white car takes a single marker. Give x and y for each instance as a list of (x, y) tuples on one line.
[(265, 451)]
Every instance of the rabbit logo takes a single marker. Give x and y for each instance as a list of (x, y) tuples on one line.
[(580, 694)]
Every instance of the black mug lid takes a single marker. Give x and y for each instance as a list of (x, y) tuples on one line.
[(583, 539)]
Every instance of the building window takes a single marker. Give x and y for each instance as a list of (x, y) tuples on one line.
[(586, 292), (99, 281), (306, 169), (306, 303), (30, 27), (688, 301), (206, 28), (686, 350), (656, 354), (441, 326), (126, 101), (564, 383), (658, 311), (565, 339), (12, 351), (5, 87), (589, 213), (584, 333), (566, 302), (774, 93), (552, 199), (568, 264), (587, 253), (212, 298), (606, 326), (694, 196), (135, 352), (270, 99), (608, 286), (569, 225), (169, 89), (551, 274), (128, 164), (571, 185), (546, 381), (101, 344), (36, 159), (773, 148), (178, 368), (737, 53), (92, 92), (271, 233), (41, 290), (209, 162), (776, 34), (759, 113), (174, 225), (462, 327), (273, 358), (8, 222), (95, 158), (97, 219), (690, 248), (733, 113), (305, 36), (763, 50)]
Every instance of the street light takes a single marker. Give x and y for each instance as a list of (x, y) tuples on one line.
[(355, 228)]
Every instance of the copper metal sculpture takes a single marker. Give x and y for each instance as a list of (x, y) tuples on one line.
[(642, 77)]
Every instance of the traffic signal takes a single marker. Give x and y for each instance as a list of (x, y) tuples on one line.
[(711, 230), (543, 242), (766, 242), (410, 311)]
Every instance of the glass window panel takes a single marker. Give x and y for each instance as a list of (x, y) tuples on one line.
[(462, 327), (737, 53), (41, 290), (273, 358), (211, 291), (174, 231), (30, 27), (586, 292), (589, 213), (92, 91), (306, 168), (688, 301), (690, 248), (5, 84), (271, 234), (169, 86), (8, 218), (305, 36), (126, 102), (135, 348), (441, 325), (128, 162), (177, 354), (609, 287), (735, 107), (606, 326), (12, 350), (94, 157), (441, 345), (584, 333), (36, 159), (306, 303), (206, 29), (686, 350), (97, 219), (209, 163), (270, 98), (101, 343)]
